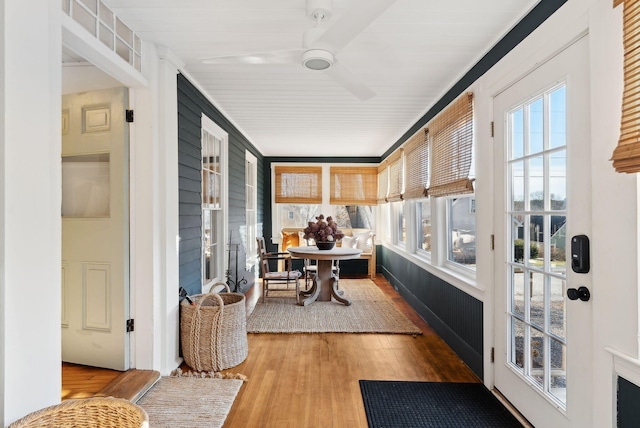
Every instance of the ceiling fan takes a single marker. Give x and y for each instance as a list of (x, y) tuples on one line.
[(321, 45)]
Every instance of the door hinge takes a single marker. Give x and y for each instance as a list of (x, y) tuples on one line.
[(493, 242), (129, 325), (129, 116), (492, 128), (493, 355)]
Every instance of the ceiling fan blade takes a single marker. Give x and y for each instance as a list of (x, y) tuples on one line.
[(349, 81), (290, 56), (351, 23)]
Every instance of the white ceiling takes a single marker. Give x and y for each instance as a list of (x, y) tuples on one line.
[(409, 56)]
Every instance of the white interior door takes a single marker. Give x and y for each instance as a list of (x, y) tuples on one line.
[(543, 198), (95, 229)]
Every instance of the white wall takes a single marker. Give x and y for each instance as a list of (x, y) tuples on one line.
[(30, 195)]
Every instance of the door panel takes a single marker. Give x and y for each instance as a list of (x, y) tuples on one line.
[(543, 194), (95, 232)]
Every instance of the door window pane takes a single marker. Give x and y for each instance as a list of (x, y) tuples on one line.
[(536, 127)]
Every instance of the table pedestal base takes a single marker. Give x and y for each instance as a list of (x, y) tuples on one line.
[(322, 291)]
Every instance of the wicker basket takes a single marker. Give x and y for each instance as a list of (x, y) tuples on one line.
[(214, 331), (102, 412)]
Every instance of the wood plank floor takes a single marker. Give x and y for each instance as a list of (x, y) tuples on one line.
[(311, 380)]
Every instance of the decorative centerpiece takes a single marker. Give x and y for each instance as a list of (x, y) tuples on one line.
[(324, 232)]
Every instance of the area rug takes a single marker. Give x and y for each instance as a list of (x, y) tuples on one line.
[(433, 404), (190, 401), (370, 312)]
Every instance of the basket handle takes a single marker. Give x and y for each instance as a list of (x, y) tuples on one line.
[(214, 296), (196, 324), (219, 283)]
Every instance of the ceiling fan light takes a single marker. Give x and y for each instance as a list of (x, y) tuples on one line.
[(317, 59)]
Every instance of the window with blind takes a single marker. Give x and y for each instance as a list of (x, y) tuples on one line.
[(626, 156), (396, 176), (353, 185), (298, 184), (451, 134), (416, 169)]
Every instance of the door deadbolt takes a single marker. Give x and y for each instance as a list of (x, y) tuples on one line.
[(581, 293)]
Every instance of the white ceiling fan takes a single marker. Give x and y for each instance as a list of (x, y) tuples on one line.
[(321, 44)]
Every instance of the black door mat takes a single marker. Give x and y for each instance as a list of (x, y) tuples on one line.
[(396, 404)]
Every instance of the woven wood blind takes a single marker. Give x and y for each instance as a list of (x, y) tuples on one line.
[(298, 184), (451, 132), (416, 165), (396, 176), (354, 185), (383, 182), (626, 156)]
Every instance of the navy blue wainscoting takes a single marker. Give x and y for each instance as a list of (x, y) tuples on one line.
[(456, 316)]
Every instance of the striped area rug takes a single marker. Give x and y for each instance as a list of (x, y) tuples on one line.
[(190, 402)]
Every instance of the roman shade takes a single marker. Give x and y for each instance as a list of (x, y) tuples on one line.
[(383, 182), (354, 185), (451, 133), (298, 184), (626, 156), (416, 168), (396, 176)]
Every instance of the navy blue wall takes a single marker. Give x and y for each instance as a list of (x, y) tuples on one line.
[(628, 409), (453, 314), (191, 105)]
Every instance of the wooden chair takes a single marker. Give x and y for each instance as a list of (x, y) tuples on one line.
[(286, 276)]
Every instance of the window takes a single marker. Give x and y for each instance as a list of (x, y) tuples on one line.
[(250, 184), (214, 148), (461, 228), (423, 225), (401, 223), (296, 215), (347, 193)]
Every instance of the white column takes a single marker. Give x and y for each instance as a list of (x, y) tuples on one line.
[(169, 227), (30, 197), (155, 231), (145, 247)]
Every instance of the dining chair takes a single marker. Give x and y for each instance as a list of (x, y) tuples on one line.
[(286, 276)]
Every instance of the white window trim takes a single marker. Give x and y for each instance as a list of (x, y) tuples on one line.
[(252, 252), (214, 129)]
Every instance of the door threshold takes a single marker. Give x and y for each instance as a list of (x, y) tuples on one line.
[(130, 385)]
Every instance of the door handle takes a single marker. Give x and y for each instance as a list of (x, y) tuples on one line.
[(581, 293)]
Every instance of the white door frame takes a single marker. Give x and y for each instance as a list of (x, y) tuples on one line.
[(574, 61)]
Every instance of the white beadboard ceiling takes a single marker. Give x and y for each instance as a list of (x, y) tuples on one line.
[(409, 56)]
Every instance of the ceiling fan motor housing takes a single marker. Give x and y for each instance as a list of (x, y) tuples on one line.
[(317, 59)]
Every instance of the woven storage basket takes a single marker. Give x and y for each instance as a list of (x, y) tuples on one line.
[(101, 412), (214, 331)]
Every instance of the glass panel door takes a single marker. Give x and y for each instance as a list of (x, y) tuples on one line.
[(542, 192)]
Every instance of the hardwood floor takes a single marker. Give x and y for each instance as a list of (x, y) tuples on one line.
[(311, 380)]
